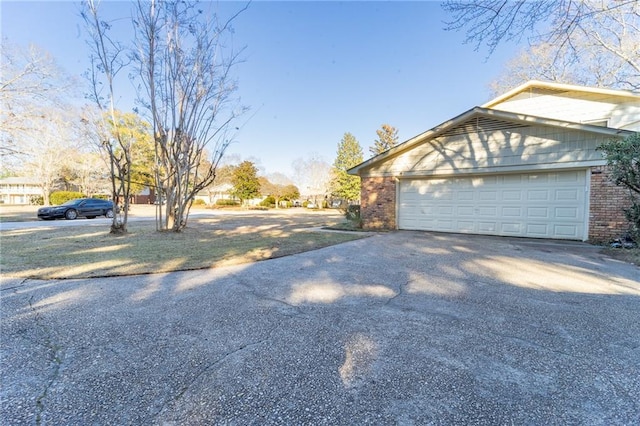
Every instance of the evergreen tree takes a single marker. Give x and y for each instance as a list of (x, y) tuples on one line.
[(245, 181), (387, 139), (349, 155)]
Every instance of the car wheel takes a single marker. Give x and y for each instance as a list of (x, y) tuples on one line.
[(71, 214), (109, 213)]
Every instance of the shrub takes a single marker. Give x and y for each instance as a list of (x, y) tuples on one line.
[(623, 157), (36, 200), (633, 216), (353, 212), (227, 202), (199, 202), (60, 197), (270, 201)]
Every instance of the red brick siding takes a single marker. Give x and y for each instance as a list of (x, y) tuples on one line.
[(378, 203), (607, 201)]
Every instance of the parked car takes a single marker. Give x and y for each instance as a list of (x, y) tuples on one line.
[(85, 207)]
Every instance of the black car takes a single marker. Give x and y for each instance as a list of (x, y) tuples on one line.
[(86, 207)]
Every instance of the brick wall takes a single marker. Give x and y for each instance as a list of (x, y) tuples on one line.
[(607, 201), (378, 203)]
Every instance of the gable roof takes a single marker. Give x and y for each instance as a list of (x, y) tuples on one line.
[(558, 88), (470, 120)]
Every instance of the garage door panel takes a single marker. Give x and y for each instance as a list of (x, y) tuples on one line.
[(566, 213), (465, 210), (511, 212), (487, 211), (511, 195), (514, 229), (488, 195), (541, 205), (487, 227), (566, 194), (569, 231), (445, 225), (569, 177), (538, 195), (465, 195), (538, 212), (537, 229), (466, 226)]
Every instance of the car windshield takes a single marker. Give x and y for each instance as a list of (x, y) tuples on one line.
[(72, 203)]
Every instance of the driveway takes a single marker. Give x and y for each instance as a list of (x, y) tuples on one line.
[(406, 328)]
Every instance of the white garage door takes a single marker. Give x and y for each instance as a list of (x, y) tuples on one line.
[(538, 205)]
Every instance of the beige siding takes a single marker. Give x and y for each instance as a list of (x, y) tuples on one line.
[(620, 113), (496, 151)]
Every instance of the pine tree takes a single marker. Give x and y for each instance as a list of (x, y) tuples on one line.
[(387, 139), (349, 155)]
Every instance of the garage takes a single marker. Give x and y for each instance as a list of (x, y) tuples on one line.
[(526, 164), (534, 205)]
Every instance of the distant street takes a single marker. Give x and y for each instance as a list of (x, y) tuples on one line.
[(145, 212)]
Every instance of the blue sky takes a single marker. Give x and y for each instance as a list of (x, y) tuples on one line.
[(313, 70)]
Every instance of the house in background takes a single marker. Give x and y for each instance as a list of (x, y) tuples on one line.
[(524, 164), (19, 190)]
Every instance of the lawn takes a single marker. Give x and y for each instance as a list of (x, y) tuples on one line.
[(208, 242)]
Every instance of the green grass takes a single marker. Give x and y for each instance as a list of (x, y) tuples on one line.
[(91, 251)]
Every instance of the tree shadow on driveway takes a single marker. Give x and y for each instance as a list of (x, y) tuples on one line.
[(399, 328)]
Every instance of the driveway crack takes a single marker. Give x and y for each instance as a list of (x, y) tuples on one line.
[(399, 293), (210, 366), (298, 310), (20, 284), (55, 359)]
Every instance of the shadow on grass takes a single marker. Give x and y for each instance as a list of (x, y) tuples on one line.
[(83, 252)]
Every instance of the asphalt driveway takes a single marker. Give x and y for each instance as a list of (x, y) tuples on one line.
[(399, 328)]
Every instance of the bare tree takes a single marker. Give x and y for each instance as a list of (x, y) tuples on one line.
[(573, 38), (89, 173), (185, 68), (108, 59), (312, 176), (31, 85), (46, 150)]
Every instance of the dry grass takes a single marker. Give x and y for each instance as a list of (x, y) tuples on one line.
[(625, 255), (90, 251), (18, 213)]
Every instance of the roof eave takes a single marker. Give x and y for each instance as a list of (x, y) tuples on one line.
[(558, 86), (481, 111)]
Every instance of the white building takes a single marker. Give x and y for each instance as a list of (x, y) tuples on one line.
[(19, 190)]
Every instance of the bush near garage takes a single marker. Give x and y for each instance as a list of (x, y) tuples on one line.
[(60, 197), (352, 214), (623, 157)]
